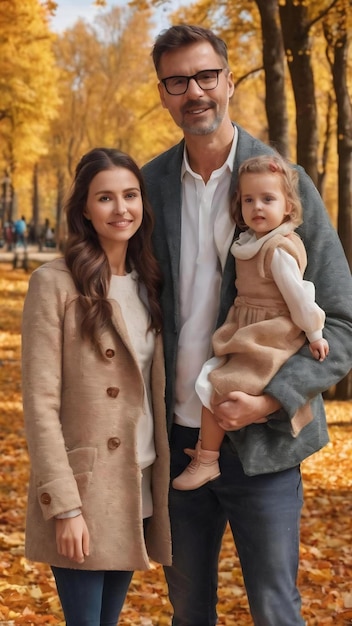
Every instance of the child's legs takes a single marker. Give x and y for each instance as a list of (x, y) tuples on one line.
[(211, 434)]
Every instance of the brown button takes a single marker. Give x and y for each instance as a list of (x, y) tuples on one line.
[(113, 443), (109, 353), (113, 392), (45, 498)]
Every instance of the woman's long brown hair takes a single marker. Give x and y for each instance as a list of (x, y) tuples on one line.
[(87, 260)]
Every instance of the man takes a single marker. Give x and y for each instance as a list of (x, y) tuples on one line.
[(189, 187)]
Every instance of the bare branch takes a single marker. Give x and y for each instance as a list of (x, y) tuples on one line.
[(250, 73), (320, 16)]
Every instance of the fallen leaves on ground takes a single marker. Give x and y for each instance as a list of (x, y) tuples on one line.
[(27, 590)]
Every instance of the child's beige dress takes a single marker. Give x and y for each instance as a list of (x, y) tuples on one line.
[(263, 328)]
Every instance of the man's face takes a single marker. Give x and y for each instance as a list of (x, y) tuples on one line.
[(198, 111)]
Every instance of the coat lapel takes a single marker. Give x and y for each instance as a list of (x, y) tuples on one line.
[(172, 198), (119, 326)]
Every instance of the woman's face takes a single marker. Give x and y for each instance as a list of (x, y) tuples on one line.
[(115, 207)]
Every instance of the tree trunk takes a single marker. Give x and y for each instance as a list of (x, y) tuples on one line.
[(344, 146), (326, 142), (295, 30), (60, 233), (336, 34), (274, 66), (35, 202)]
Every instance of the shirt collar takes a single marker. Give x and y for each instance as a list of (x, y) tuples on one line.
[(247, 245), (228, 164)]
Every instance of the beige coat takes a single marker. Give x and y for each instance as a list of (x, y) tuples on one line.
[(81, 413)]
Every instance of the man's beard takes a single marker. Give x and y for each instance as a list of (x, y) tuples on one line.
[(203, 128)]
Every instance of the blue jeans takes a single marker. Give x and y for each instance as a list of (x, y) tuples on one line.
[(264, 516), (91, 598)]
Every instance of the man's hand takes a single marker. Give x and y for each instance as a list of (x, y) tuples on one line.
[(72, 538), (239, 409)]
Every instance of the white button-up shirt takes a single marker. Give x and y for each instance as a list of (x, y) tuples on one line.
[(206, 235)]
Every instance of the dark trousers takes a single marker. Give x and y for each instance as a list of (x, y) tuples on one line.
[(264, 515), (91, 598)]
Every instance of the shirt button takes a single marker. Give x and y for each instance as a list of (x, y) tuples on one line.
[(45, 498), (109, 353), (113, 392), (113, 443)]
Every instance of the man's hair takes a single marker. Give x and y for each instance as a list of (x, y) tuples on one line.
[(183, 35)]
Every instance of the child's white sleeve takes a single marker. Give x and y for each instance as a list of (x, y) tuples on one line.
[(298, 294), (203, 386)]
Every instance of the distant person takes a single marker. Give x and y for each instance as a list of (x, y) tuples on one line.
[(93, 395), (31, 238), (9, 235), (49, 236), (21, 232), (274, 311)]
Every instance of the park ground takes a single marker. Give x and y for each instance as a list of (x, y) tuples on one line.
[(27, 591)]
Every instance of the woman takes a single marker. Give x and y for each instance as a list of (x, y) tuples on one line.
[(93, 395)]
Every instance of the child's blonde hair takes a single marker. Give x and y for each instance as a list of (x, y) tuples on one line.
[(272, 163)]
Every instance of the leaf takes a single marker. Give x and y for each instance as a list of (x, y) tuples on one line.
[(27, 590)]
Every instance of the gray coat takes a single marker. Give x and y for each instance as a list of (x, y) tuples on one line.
[(81, 414), (298, 385)]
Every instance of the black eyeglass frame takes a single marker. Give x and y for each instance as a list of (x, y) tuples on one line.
[(194, 77)]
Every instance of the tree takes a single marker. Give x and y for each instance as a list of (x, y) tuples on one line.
[(103, 83), (274, 67), (337, 34), (28, 94), (107, 87), (298, 46)]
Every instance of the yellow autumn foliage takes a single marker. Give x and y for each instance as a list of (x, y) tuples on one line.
[(28, 92)]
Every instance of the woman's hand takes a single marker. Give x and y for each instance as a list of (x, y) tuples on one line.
[(239, 409), (72, 538)]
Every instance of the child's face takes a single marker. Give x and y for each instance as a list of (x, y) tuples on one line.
[(263, 202)]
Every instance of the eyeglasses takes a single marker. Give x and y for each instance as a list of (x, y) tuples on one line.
[(178, 85)]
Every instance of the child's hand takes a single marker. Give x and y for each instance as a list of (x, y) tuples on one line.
[(319, 349)]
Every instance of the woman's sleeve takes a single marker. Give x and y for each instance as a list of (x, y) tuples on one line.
[(42, 352)]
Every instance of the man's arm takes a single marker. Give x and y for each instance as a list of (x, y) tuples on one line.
[(239, 409), (302, 377)]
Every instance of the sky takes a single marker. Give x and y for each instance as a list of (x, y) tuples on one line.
[(68, 12)]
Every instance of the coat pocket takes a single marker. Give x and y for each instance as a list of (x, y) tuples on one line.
[(82, 461)]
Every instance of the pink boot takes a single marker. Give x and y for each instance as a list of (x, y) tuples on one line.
[(203, 467)]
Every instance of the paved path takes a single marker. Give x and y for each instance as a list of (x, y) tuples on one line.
[(32, 254)]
